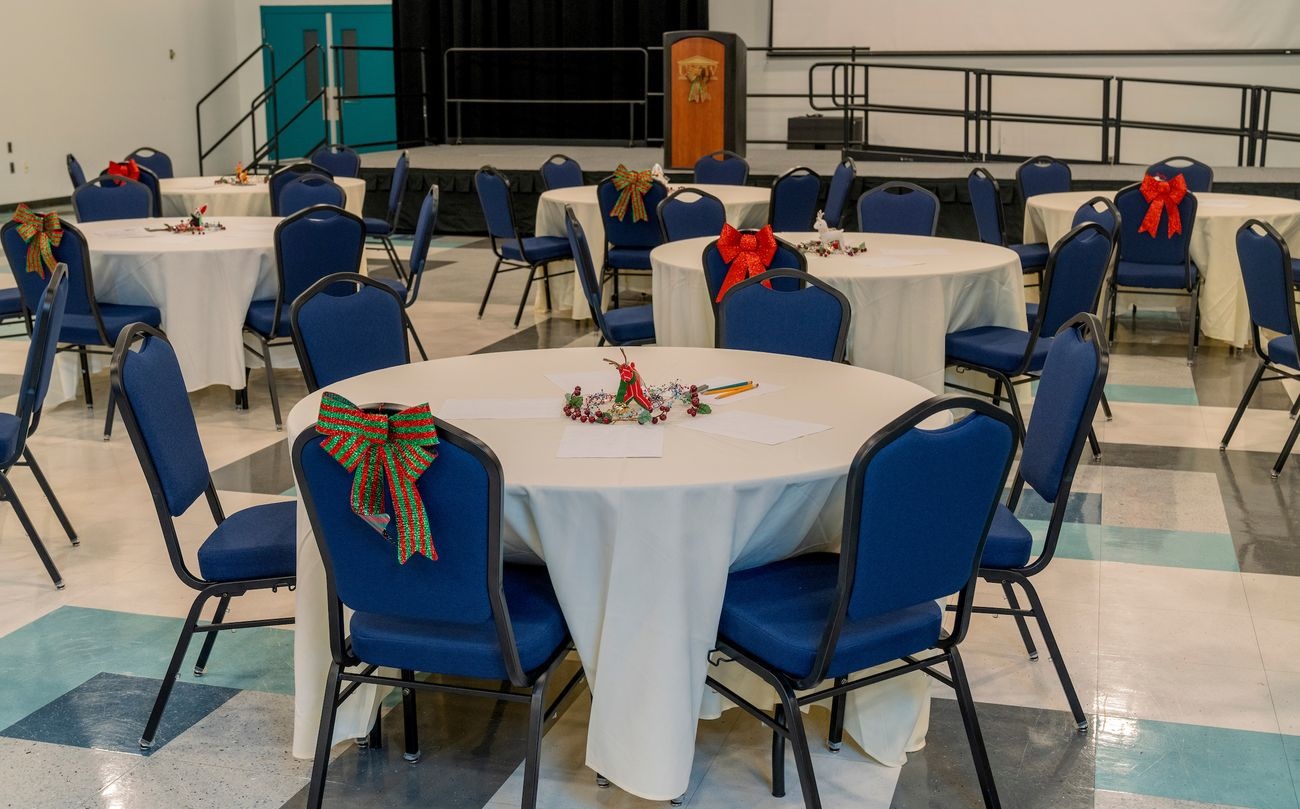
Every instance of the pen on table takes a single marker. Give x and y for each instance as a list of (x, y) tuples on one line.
[(734, 391)]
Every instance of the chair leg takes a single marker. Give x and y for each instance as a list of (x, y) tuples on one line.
[(173, 669), (799, 746), (1295, 408), (1286, 450), (966, 704), (201, 664), (1049, 639), (1014, 401), (778, 756), (85, 377), (325, 735), (49, 496), (523, 301), (1093, 444), (1193, 330), (419, 347), (108, 419), (8, 492), (375, 739), (997, 392), (1241, 406), (270, 383), (393, 257), (1105, 406), (1112, 299), (835, 737), (546, 284), (1021, 624), (488, 292), (409, 720), (533, 758)]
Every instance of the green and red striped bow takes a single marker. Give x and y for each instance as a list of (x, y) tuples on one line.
[(632, 186), (42, 232), (378, 446)]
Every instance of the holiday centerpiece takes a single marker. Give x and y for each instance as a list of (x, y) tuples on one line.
[(196, 225), (240, 177), (634, 401), (829, 241)]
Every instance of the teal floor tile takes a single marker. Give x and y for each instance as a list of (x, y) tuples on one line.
[(1140, 546), (1195, 763), (1151, 394), (1077, 540)]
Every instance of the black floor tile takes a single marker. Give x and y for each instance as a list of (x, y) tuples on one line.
[(267, 471)]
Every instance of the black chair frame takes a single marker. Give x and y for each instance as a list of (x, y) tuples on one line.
[(786, 722), (804, 278), (797, 171), (1193, 161), (1034, 162), (845, 207), (300, 168), (1109, 205), (571, 220), (386, 240), (885, 188), (222, 591), (342, 657), (984, 173), (559, 159), (685, 191), (358, 280)]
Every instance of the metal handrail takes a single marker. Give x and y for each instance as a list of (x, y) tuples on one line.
[(987, 114), (269, 92), (198, 107), (423, 94), (1244, 132)]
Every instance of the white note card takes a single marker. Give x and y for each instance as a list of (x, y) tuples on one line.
[(589, 381), (539, 408), (755, 427), (611, 441)]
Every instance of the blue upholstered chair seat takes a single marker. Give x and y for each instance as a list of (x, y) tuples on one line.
[(538, 248), (629, 258), (80, 329), (10, 425), (631, 324), (1152, 276), (377, 227), (1032, 256), (396, 284), (1031, 314), (1295, 270), (259, 317), (469, 649), (1009, 543), (1282, 350), (11, 302), (256, 543), (996, 347), (784, 632)]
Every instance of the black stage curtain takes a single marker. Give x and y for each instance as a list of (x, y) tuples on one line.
[(437, 25)]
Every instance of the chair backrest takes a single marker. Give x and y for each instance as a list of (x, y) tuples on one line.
[(626, 232), (46, 323), (313, 243), (1042, 175), (837, 196), (71, 251), (328, 323), (397, 188), (898, 207), (811, 320), (338, 160), (308, 190), (1158, 247), (1073, 277), (793, 204), (151, 181), (787, 257), (688, 213), (112, 197), (150, 158), (494, 198), (425, 225), (1199, 176), (1265, 260), (721, 168), (463, 494), (287, 175), (986, 203), (75, 172), (585, 269), (1101, 211), (561, 171)]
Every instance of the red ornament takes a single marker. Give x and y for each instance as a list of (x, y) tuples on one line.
[(129, 169), (1162, 194), (747, 254)]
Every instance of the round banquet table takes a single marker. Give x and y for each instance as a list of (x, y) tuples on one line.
[(746, 208), (1224, 314), (906, 293), (180, 195), (201, 284), (639, 548)]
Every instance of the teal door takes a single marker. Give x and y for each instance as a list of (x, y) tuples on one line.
[(316, 99)]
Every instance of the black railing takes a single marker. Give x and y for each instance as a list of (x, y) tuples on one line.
[(1265, 132), (340, 52), (1247, 121), (198, 108), (272, 143)]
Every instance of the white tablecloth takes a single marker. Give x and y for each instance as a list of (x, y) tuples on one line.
[(1224, 314), (639, 549), (746, 208), (180, 195), (906, 292), (201, 284)]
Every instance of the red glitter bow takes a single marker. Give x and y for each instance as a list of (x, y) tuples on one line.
[(1161, 195), (748, 254), (129, 169), (632, 187), (42, 232)]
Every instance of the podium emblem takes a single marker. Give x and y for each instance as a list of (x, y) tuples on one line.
[(699, 71)]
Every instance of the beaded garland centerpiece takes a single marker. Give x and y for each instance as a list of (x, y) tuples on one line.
[(829, 241), (634, 401), (197, 224), (240, 177)]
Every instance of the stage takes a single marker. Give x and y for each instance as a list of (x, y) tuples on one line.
[(452, 169)]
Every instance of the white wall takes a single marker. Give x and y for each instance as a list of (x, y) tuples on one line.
[(767, 117)]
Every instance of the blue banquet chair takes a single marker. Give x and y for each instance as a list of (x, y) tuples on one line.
[(150, 180), (793, 205), (252, 549), (917, 509), (338, 160), (1042, 175), (383, 229), (1265, 262), (408, 289), (811, 320), (147, 157), (625, 326), (628, 242), (986, 202), (561, 171), (787, 257), (326, 321), (898, 207), (1199, 176), (837, 195), (308, 190), (492, 620), (282, 177), (112, 197), (1101, 211), (689, 213), (311, 244), (721, 168), (75, 172)]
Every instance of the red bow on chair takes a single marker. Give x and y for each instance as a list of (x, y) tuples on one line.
[(129, 169), (748, 254), (1161, 195), (632, 187)]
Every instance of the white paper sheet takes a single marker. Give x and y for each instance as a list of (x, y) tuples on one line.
[(589, 381), (538, 408), (911, 251), (753, 427), (762, 389), (611, 441)]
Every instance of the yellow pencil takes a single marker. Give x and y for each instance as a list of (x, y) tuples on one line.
[(734, 391)]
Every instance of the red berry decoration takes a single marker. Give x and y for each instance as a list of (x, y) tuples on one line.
[(690, 411)]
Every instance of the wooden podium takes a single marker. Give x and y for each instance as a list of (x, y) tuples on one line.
[(704, 95)]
